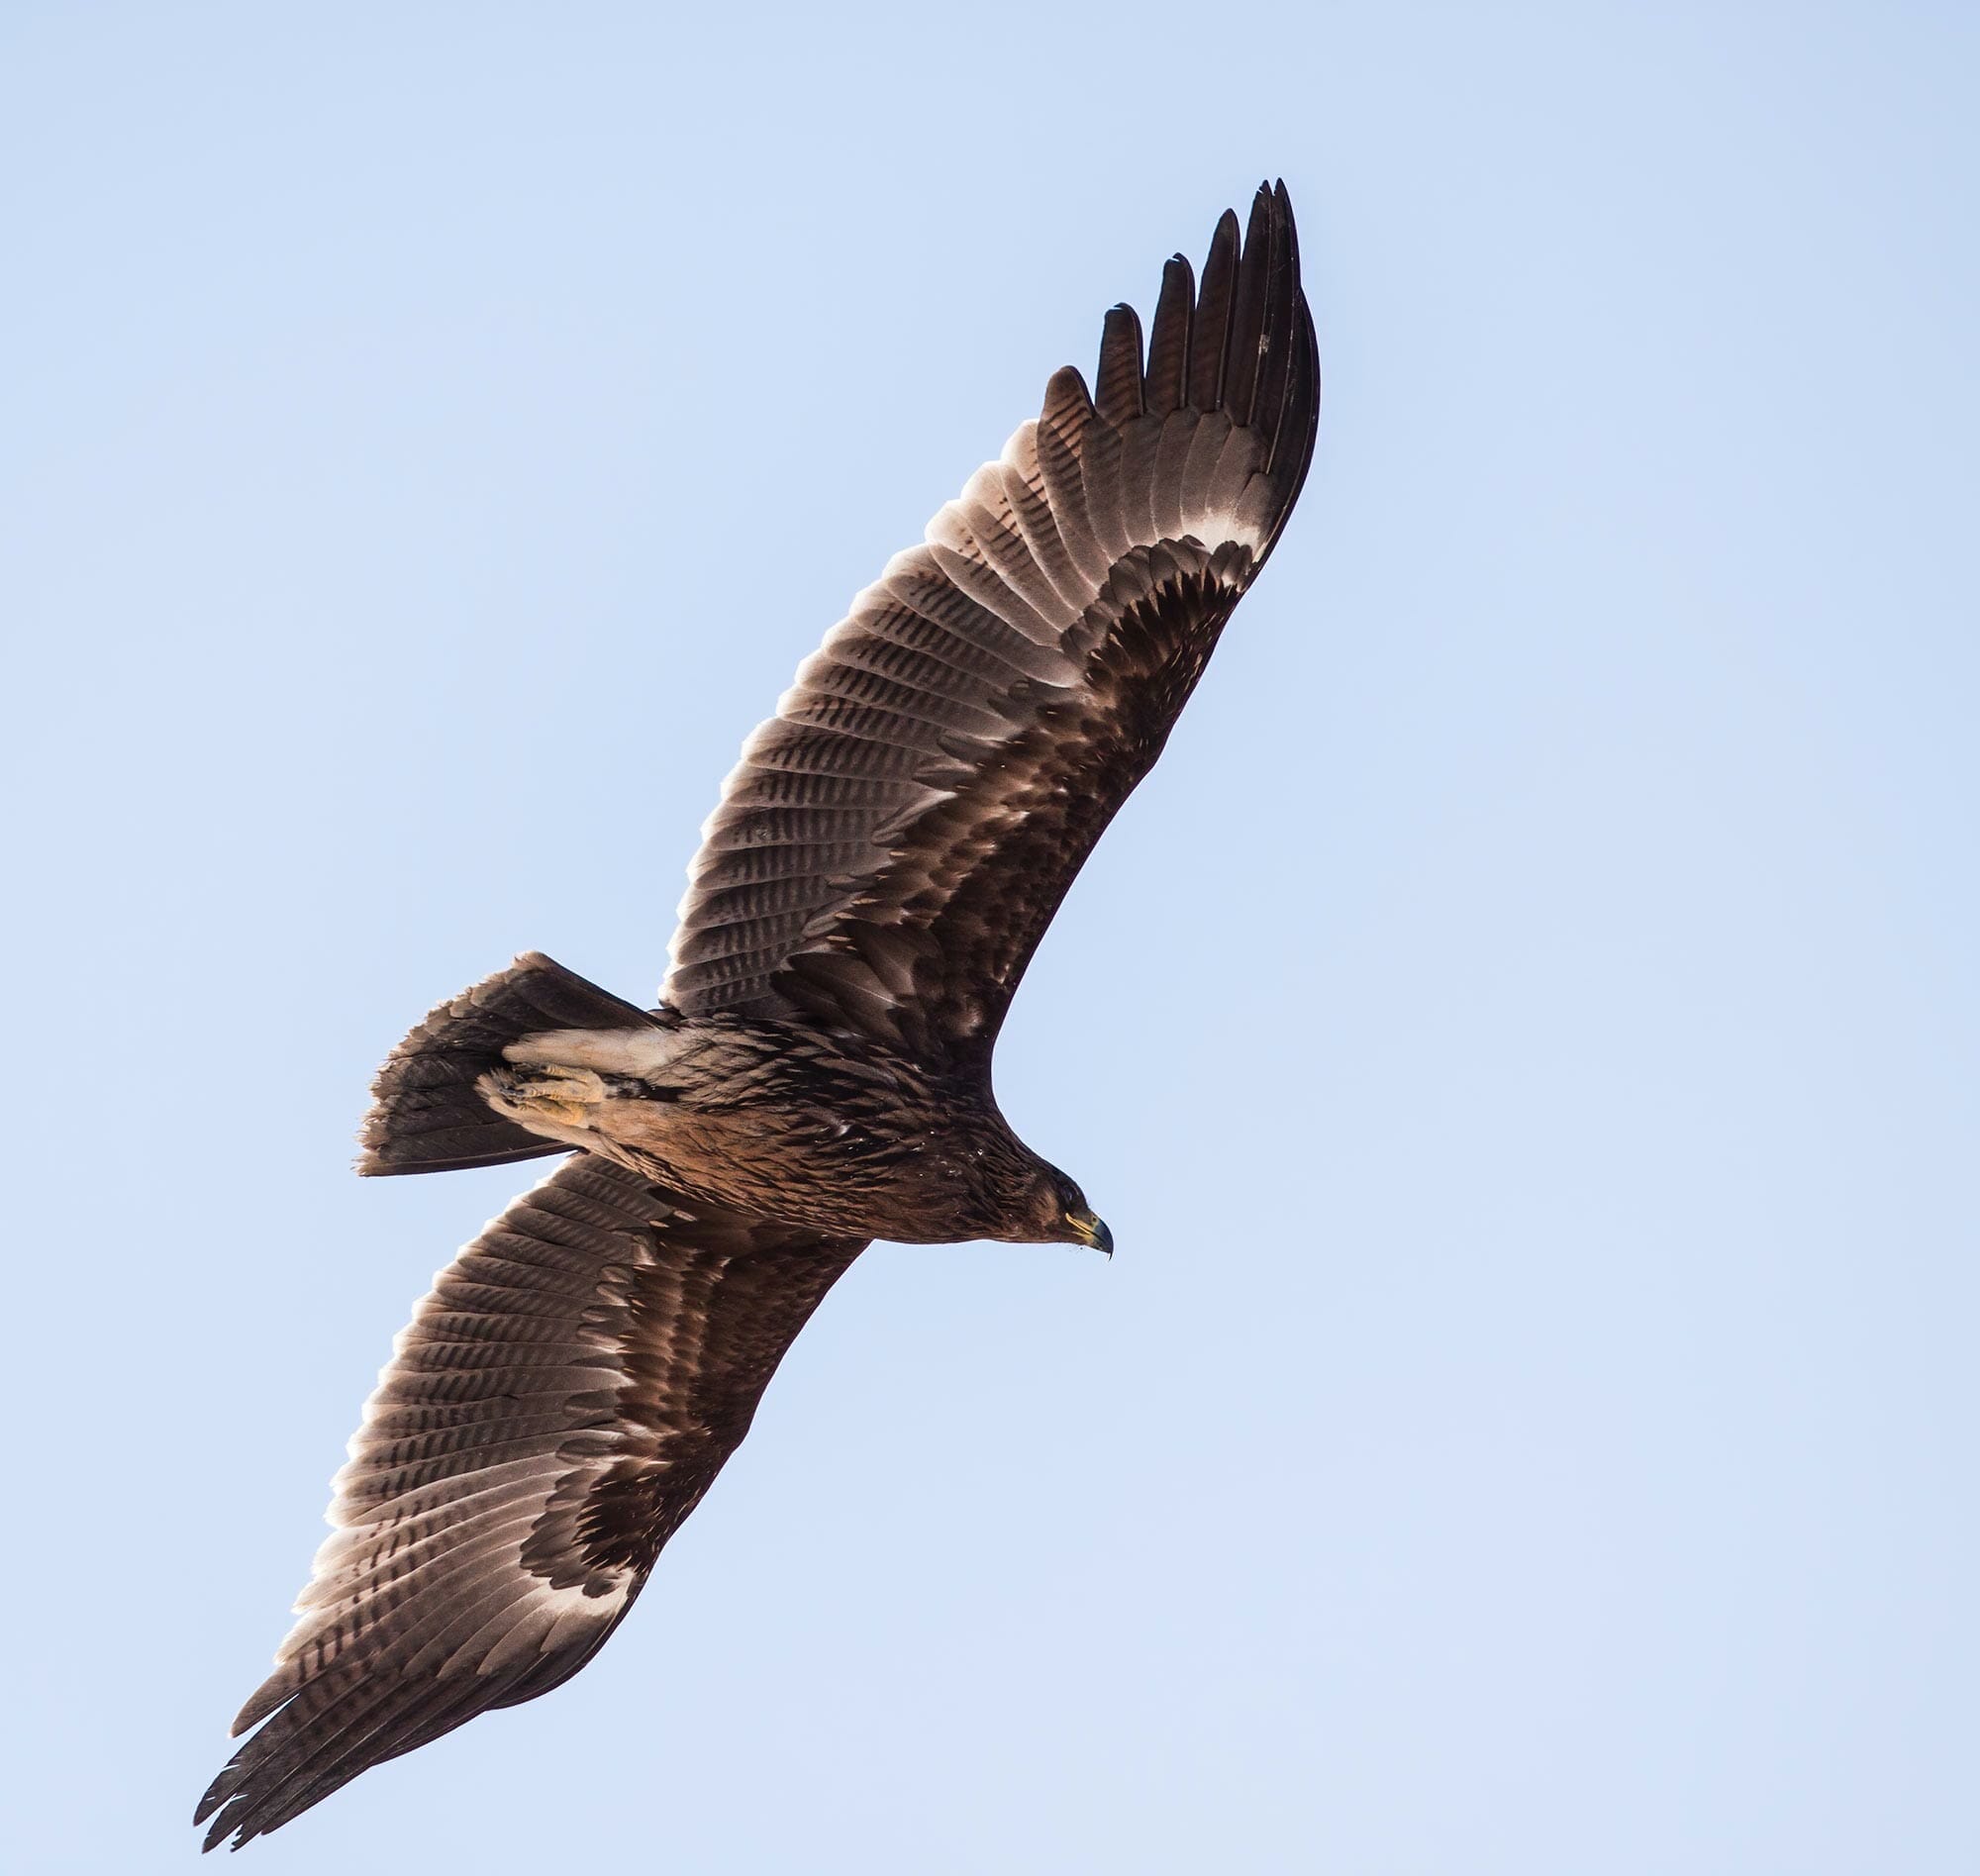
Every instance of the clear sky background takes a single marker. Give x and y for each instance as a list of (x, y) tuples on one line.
[(1524, 1037)]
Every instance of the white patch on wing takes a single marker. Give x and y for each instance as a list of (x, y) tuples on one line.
[(574, 1597), (1215, 525)]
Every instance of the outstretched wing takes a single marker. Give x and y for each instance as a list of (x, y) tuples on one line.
[(560, 1404), (898, 836)]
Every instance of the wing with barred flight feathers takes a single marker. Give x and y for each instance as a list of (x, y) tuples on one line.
[(896, 839), (561, 1401)]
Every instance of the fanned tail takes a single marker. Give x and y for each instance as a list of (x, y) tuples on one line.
[(425, 1115)]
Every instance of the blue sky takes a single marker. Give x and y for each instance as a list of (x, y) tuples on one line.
[(1523, 1036)]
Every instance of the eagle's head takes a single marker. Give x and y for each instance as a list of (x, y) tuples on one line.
[(1065, 1218)]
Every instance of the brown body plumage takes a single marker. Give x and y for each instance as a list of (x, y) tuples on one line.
[(788, 1120), (869, 890)]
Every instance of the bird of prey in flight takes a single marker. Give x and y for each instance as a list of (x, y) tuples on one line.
[(878, 871)]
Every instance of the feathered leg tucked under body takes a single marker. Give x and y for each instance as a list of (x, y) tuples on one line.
[(429, 1112)]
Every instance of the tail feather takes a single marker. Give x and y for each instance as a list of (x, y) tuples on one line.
[(425, 1115)]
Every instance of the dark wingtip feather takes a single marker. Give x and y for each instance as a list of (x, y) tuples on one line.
[(1168, 343), (1116, 382), (1209, 330), (1249, 313), (1302, 419), (210, 1802), (1067, 403), (1285, 395)]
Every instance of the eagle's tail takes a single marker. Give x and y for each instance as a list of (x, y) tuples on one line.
[(425, 1115)]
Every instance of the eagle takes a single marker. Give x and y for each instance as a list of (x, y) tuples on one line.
[(816, 1072)]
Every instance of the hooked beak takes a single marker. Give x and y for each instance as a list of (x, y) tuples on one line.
[(1090, 1230)]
